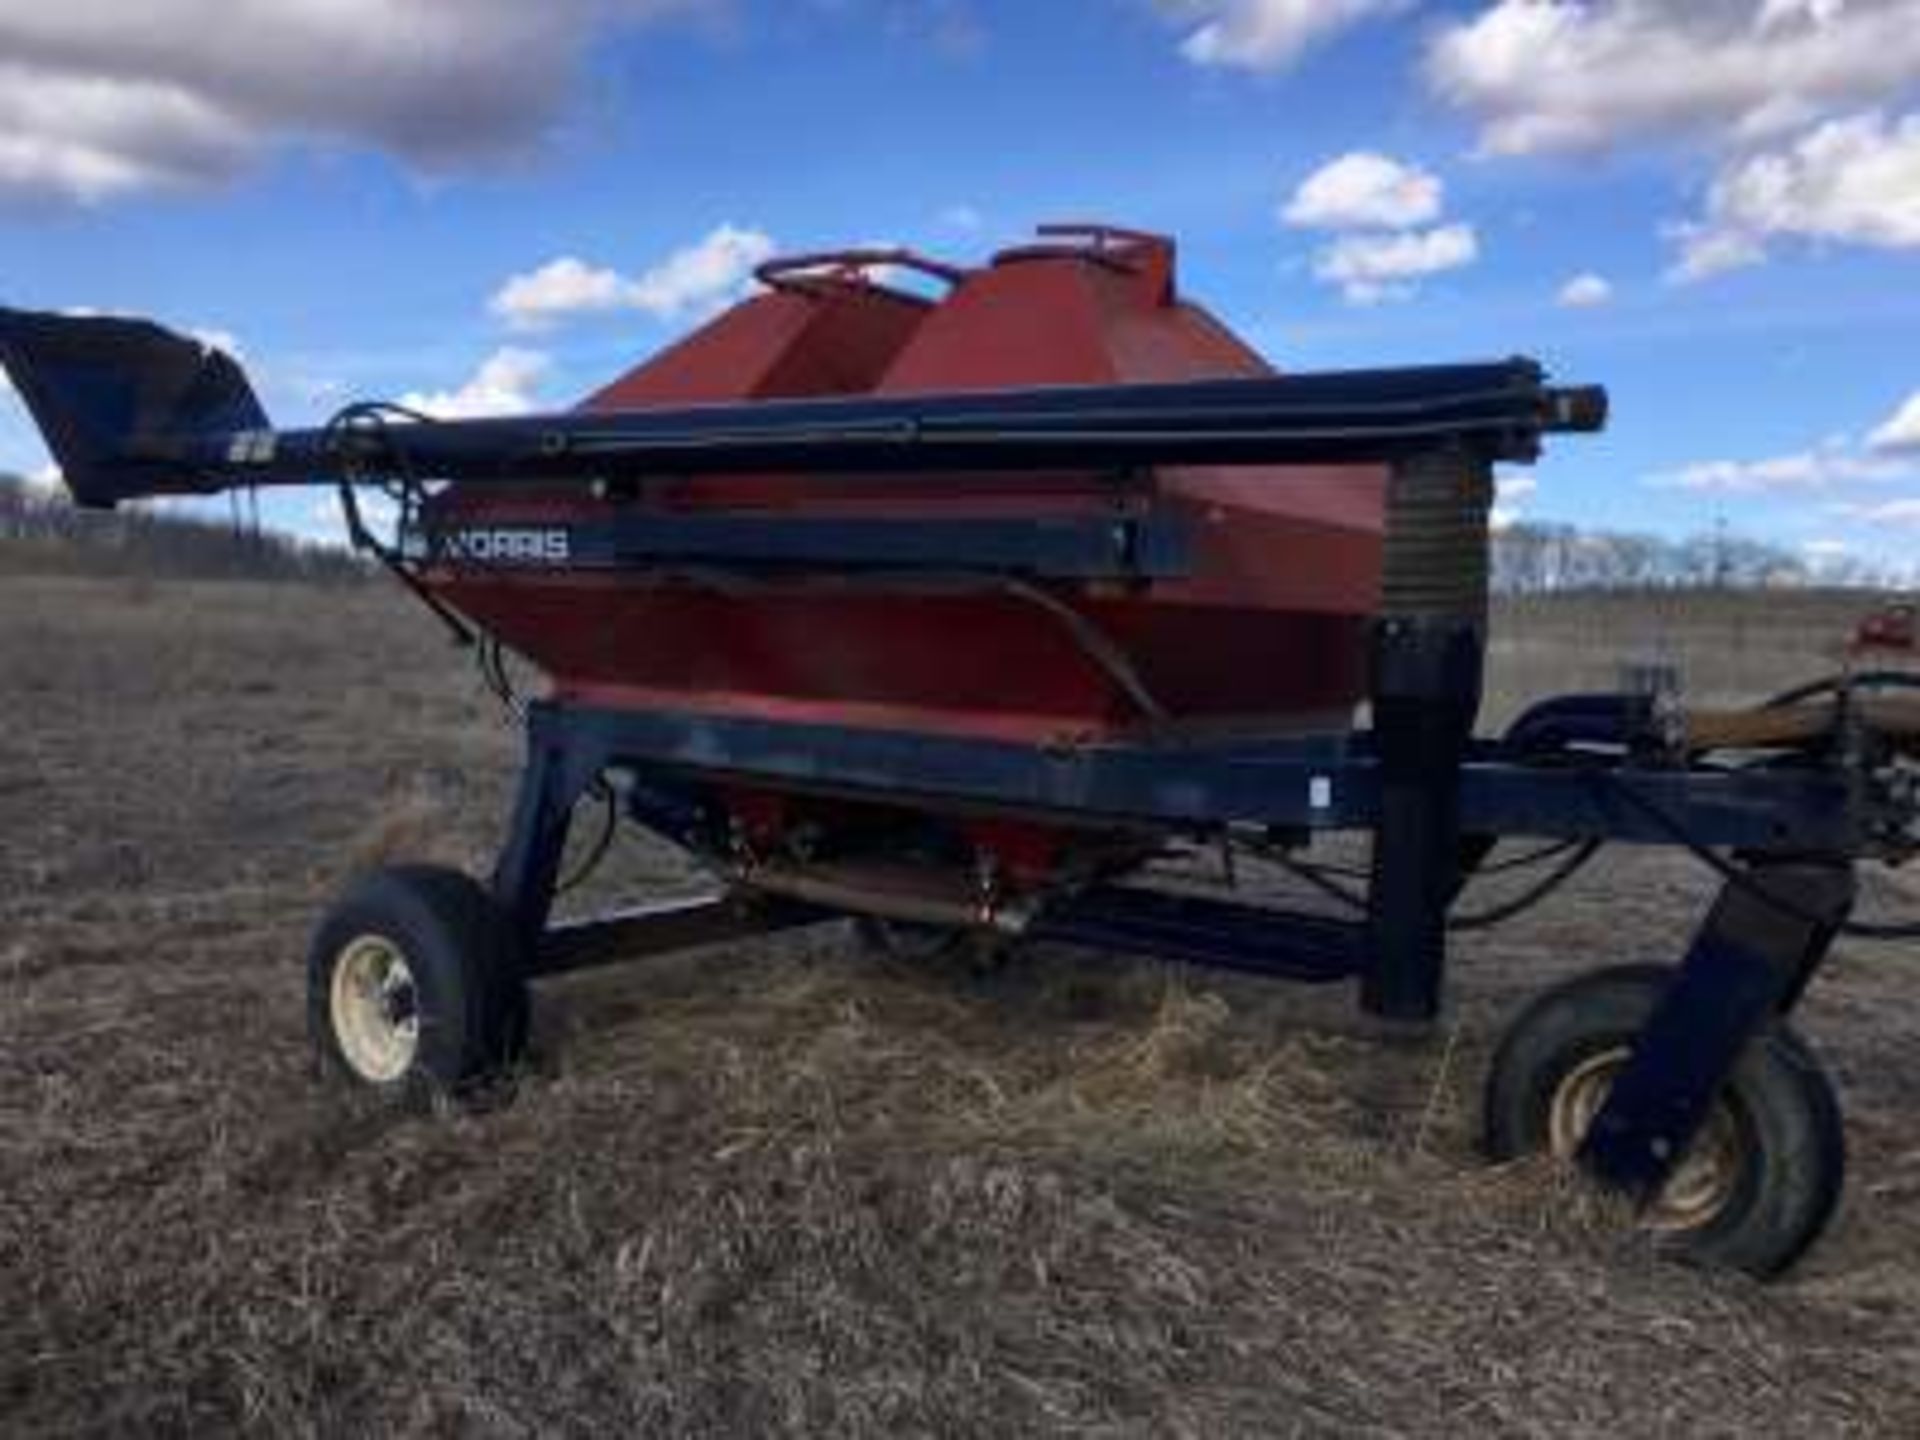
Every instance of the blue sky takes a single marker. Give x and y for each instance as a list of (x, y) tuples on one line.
[(1713, 207)]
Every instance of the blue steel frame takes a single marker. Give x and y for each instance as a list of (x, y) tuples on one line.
[(1749, 963)]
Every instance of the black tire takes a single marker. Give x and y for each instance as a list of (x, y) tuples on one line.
[(1777, 1131), (974, 952), (462, 986), (910, 943)]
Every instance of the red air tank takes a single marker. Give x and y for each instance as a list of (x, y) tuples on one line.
[(1262, 630)]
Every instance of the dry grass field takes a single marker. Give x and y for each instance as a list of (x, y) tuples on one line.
[(792, 1188)]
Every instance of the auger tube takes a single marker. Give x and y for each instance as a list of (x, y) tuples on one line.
[(131, 410)]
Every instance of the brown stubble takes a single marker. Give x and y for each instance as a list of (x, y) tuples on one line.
[(791, 1187)]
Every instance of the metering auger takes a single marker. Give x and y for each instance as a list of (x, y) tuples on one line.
[(952, 614)]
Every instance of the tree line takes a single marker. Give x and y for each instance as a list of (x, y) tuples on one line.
[(41, 531), (1539, 559)]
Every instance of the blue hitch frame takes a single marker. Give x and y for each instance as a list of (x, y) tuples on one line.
[(1753, 956), (1750, 962)]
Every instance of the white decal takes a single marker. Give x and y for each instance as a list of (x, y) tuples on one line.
[(252, 447), (510, 547)]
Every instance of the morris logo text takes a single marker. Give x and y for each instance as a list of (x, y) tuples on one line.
[(501, 546)]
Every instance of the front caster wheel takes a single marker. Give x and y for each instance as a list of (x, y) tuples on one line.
[(414, 986), (1761, 1179)]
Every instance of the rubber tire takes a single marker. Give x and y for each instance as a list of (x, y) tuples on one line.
[(469, 984), (936, 947), (1783, 1103), (908, 942)]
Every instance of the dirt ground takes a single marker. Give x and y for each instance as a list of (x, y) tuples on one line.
[(792, 1188)]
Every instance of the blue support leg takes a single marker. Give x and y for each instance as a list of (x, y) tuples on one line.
[(1426, 691), (1750, 962), (562, 761)]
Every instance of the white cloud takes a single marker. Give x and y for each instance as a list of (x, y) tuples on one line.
[(558, 289), (92, 137), (1776, 14), (695, 280), (965, 218), (1585, 292), (1854, 180), (506, 383), (1266, 35), (1832, 464), (46, 477), (104, 98), (1516, 485), (1573, 75), (316, 391), (1384, 213), (1901, 513), (1364, 189), (1707, 250), (705, 276), (215, 339), (1372, 268), (1512, 490), (1902, 429), (1891, 453), (1826, 550)]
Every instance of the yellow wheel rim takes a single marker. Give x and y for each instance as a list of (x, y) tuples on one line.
[(375, 1010), (1701, 1185)]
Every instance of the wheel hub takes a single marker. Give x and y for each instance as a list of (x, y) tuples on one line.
[(1700, 1185), (375, 1010)]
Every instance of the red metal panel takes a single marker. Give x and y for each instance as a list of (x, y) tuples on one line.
[(832, 339)]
